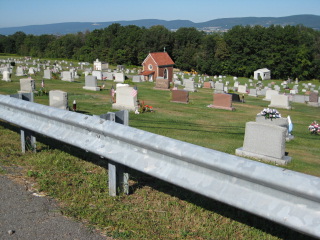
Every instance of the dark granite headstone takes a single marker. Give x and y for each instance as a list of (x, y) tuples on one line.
[(235, 97)]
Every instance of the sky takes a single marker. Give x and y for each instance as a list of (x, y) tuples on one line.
[(16, 13)]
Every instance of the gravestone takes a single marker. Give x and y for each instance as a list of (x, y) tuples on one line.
[(27, 85), (279, 101), (97, 74), (126, 98), (119, 77), (242, 89), (269, 93), (277, 88), (235, 97), (180, 96), (222, 101), (47, 74), (20, 71), (253, 92), (189, 85), (31, 71), (91, 83), (136, 78), (6, 76), (67, 76), (177, 83), (264, 142), (207, 85), (262, 92), (219, 87), (109, 76), (314, 99), (162, 84), (58, 99)]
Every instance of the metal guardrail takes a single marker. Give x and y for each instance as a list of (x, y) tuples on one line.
[(280, 195)]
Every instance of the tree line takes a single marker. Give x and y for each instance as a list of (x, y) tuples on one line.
[(289, 51)]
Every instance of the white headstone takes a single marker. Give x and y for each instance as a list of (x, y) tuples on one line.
[(6, 76), (269, 93), (97, 74), (58, 99), (119, 77), (126, 98), (242, 89)]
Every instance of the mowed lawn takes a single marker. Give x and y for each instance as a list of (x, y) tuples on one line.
[(154, 209)]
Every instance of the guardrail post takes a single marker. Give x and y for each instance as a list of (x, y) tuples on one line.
[(28, 139), (118, 175)]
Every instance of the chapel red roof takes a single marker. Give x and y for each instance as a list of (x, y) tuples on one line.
[(146, 73), (162, 58)]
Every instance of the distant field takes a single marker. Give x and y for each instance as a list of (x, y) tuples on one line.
[(155, 210)]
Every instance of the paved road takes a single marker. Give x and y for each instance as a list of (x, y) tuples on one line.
[(26, 216)]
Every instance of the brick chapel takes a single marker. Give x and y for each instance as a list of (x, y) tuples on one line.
[(157, 65)]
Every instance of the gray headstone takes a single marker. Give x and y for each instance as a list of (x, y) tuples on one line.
[(264, 142), (27, 85), (280, 101), (91, 83), (58, 99)]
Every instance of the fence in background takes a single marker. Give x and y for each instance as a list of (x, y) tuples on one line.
[(280, 195)]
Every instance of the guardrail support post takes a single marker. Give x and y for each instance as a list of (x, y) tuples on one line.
[(118, 175), (28, 139)]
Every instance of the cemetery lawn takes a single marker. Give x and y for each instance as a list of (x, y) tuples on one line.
[(154, 209)]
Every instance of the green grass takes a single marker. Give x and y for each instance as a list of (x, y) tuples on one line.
[(154, 209)]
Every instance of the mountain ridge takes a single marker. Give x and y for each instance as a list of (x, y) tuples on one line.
[(220, 24)]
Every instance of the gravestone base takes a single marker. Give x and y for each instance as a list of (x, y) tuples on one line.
[(22, 92), (124, 107), (92, 88), (279, 106), (67, 80), (283, 161), (221, 107), (314, 104)]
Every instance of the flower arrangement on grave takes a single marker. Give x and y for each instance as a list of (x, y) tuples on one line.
[(314, 128), (269, 113), (42, 91), (142, 107)]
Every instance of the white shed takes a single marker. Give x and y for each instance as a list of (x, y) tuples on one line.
[(264, 73)]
